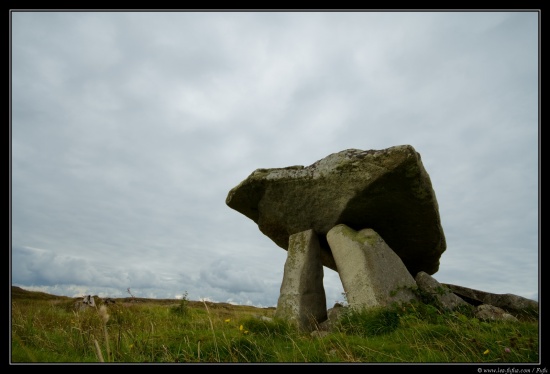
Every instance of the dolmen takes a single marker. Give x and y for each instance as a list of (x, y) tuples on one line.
[(370, 215)]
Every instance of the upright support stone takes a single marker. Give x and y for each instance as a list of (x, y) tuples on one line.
[(371, 273), (302, 300)]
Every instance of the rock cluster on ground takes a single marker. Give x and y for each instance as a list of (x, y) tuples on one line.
[(87, 301)]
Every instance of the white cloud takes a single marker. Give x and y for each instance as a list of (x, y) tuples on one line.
[(130, 128)]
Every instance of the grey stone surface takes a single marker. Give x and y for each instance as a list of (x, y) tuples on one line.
[(491, 312), (441, 294), (87, 301), (371, 273), (333, 315), (387, 190), (511, 303), (302, 300)]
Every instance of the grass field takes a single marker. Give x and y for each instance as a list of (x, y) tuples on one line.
[(48, 329)]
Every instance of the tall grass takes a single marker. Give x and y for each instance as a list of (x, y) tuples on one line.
[(51, 330)]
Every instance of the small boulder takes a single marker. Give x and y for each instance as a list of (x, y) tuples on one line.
[(441, 294), (333, 315), (513, 304), (493, 313)]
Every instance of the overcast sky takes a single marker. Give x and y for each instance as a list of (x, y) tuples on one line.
[(128, 130)]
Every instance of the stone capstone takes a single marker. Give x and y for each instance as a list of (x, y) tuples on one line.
[(302, 299), (386, 190), (371, 273)]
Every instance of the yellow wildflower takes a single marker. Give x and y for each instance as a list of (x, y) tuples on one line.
[(486, 352), (228, 320)]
